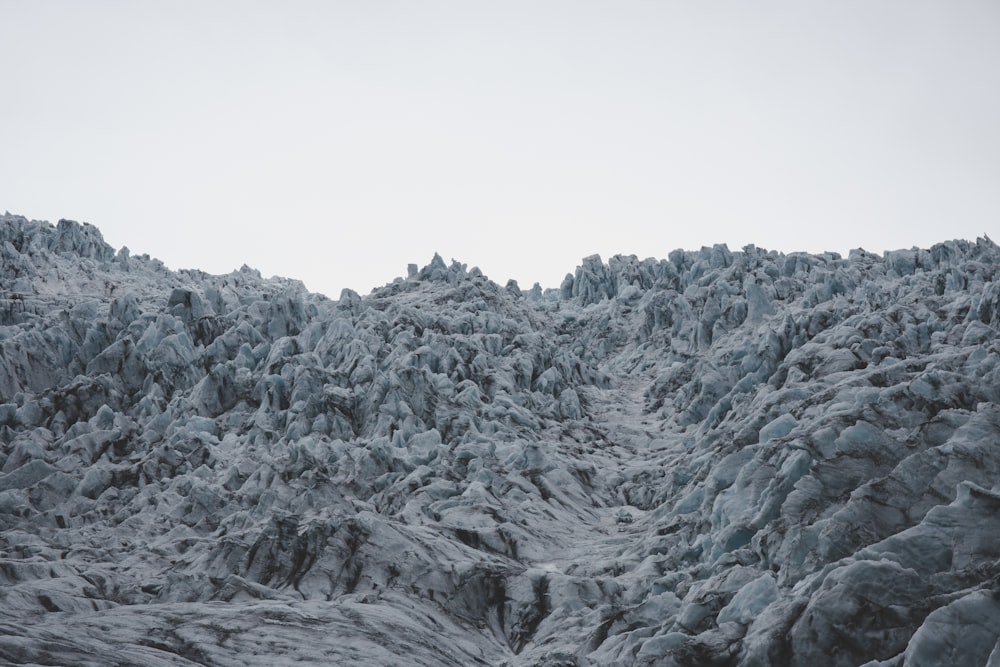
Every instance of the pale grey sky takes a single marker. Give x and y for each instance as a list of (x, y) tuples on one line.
[(336, 142)]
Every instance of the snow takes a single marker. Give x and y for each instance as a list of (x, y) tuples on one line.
[(717, 458)]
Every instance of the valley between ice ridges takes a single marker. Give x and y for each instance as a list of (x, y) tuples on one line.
[(720, 458)]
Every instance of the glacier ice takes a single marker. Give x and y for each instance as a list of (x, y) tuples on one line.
[(720, 458)]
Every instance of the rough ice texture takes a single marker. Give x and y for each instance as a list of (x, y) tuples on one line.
[(721, 458)]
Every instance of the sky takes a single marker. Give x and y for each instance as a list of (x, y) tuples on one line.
[(337, 142)]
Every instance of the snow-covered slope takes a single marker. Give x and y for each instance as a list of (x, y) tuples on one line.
[(721, 458)]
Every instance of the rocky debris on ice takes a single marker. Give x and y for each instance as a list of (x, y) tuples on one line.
[(720, 458)]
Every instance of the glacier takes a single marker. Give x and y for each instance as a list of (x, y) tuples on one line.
[(718, 458)]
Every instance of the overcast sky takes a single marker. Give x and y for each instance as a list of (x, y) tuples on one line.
[(336, 142)]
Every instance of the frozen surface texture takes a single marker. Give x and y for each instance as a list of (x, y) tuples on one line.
[(720, 458)]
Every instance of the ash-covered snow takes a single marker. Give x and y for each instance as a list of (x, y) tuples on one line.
[(720, 458)]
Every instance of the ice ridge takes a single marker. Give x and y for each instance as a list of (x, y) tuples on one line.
[(717, 458)]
